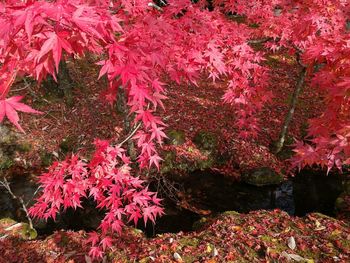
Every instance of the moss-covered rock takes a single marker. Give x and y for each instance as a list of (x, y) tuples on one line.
[(27, 232), (7, 221), (176, 137), (230, 213), (182, 166), (346, 187), (68, 144), (342, 203), (206, 141), (8, 147), (200, 223), (5, 163), (188, 242), (262, 176), (169, 161), (22, 230)]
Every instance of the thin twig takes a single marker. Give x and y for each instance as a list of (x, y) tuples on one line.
[(260, 41), (6, 184), (36, 191), (130, 135)]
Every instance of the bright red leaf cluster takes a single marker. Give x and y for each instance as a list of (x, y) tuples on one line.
[(141, 44), (317, 30), (108, 181)]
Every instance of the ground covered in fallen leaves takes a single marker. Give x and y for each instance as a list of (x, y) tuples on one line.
[(261, 236)]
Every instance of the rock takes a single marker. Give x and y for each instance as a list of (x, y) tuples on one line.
[(291, 243), (346, 187), (215, 252), (177, 257), (22, 230), (294, 257), (200, 224), (7, 137), (262, 176), (206, 141), (181, 167), (340, 203), (28, 233), (176, 137), (8, 147)]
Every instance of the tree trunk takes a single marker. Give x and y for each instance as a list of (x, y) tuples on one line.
[(64, 85), (65, 82), (288, 119)]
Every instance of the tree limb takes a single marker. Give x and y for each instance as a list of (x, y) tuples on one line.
[(288, 119), (6, 184)]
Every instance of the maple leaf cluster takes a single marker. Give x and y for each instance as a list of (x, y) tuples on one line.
[(140, 44), (317, 31), (106, 178)]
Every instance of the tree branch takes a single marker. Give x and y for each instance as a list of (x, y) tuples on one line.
[(288, 119), (6, 184), (130, 135)]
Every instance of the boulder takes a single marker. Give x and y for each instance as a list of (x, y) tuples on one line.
[(262, 176)]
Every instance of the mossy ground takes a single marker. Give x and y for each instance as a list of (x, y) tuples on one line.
[(260, 236)]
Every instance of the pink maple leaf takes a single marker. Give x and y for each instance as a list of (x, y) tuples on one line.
[(9, 108)]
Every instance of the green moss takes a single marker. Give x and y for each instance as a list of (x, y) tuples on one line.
[(189, 242), (340, 203), (28, 232), (230, 213), (5, 163), (262, 176), (7, 221), (46, 158), (68, 144), (176, 137), (206, 141), (182, 165), (240, 19), (64, 241), (136, 232), (168, 161), (24, 147), (254, 25)]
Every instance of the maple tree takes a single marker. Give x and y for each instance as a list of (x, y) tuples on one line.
[(141, 44)]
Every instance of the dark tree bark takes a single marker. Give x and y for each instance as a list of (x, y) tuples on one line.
[(289, 117), (64, 85)]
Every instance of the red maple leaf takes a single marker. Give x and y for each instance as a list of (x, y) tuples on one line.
[(9, 108)]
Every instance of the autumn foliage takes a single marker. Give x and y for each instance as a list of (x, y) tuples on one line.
[(140, 45), (107, 180)]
